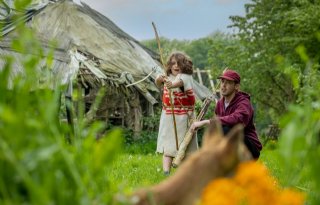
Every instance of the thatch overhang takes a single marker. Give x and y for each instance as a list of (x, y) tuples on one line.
[(91, 49), (97, 44)]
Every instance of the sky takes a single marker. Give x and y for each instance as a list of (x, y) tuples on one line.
[(174, 19)]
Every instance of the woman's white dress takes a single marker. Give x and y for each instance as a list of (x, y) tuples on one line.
[(184, 101)]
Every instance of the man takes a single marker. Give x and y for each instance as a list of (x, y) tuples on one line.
[(235, 108)]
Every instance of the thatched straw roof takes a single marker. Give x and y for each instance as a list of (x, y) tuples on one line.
[(88, 44)]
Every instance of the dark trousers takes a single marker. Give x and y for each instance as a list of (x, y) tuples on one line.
[(254, 151)]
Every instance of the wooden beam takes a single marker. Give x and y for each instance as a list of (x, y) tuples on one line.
[(199, 76), (210, 80)]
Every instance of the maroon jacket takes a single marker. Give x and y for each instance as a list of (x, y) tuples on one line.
[(238, 111)]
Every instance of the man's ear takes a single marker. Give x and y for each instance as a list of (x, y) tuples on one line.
[(237, 87)]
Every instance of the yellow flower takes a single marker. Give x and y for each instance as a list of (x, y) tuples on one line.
[(290, 197), (252, 185), (255, 179), (222, 192)]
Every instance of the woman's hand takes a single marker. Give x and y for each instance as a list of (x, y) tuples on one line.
[(168, 84), (161, 79)]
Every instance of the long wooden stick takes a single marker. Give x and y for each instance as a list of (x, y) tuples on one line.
[(189, 134), (169, 91), (158, 41)]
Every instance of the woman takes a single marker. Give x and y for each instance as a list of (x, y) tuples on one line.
[(178, 84)]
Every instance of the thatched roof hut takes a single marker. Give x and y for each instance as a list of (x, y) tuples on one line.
[(97, 53)]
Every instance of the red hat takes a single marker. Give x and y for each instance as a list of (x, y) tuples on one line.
[(230, 75)]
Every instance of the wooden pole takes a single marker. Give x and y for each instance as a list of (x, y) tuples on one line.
[(189, 135), (210, 80), (170, 93), (69, 111), (199, 76)]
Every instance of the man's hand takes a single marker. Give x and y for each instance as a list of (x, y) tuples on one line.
[(195, 125)]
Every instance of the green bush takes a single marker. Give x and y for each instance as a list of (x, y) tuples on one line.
[(37, 165), (299, 141)]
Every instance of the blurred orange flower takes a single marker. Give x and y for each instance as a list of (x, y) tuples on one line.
[(251, 185)]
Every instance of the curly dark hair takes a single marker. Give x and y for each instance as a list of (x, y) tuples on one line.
[(184, 62)]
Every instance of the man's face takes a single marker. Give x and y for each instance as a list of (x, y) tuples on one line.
[(228, 87)]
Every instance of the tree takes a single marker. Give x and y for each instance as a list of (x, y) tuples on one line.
[(277, 37), (196, 49)]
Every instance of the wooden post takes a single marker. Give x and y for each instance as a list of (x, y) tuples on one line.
[(199, 76), (170, 92), (210, 80), (122, 113), (69, 111)]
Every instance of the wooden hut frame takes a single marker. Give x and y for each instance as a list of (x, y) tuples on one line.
[(93, 52)]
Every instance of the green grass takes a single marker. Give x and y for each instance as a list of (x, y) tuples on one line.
[(270, 158), (132, 171), (134, 168), (39, 167)]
